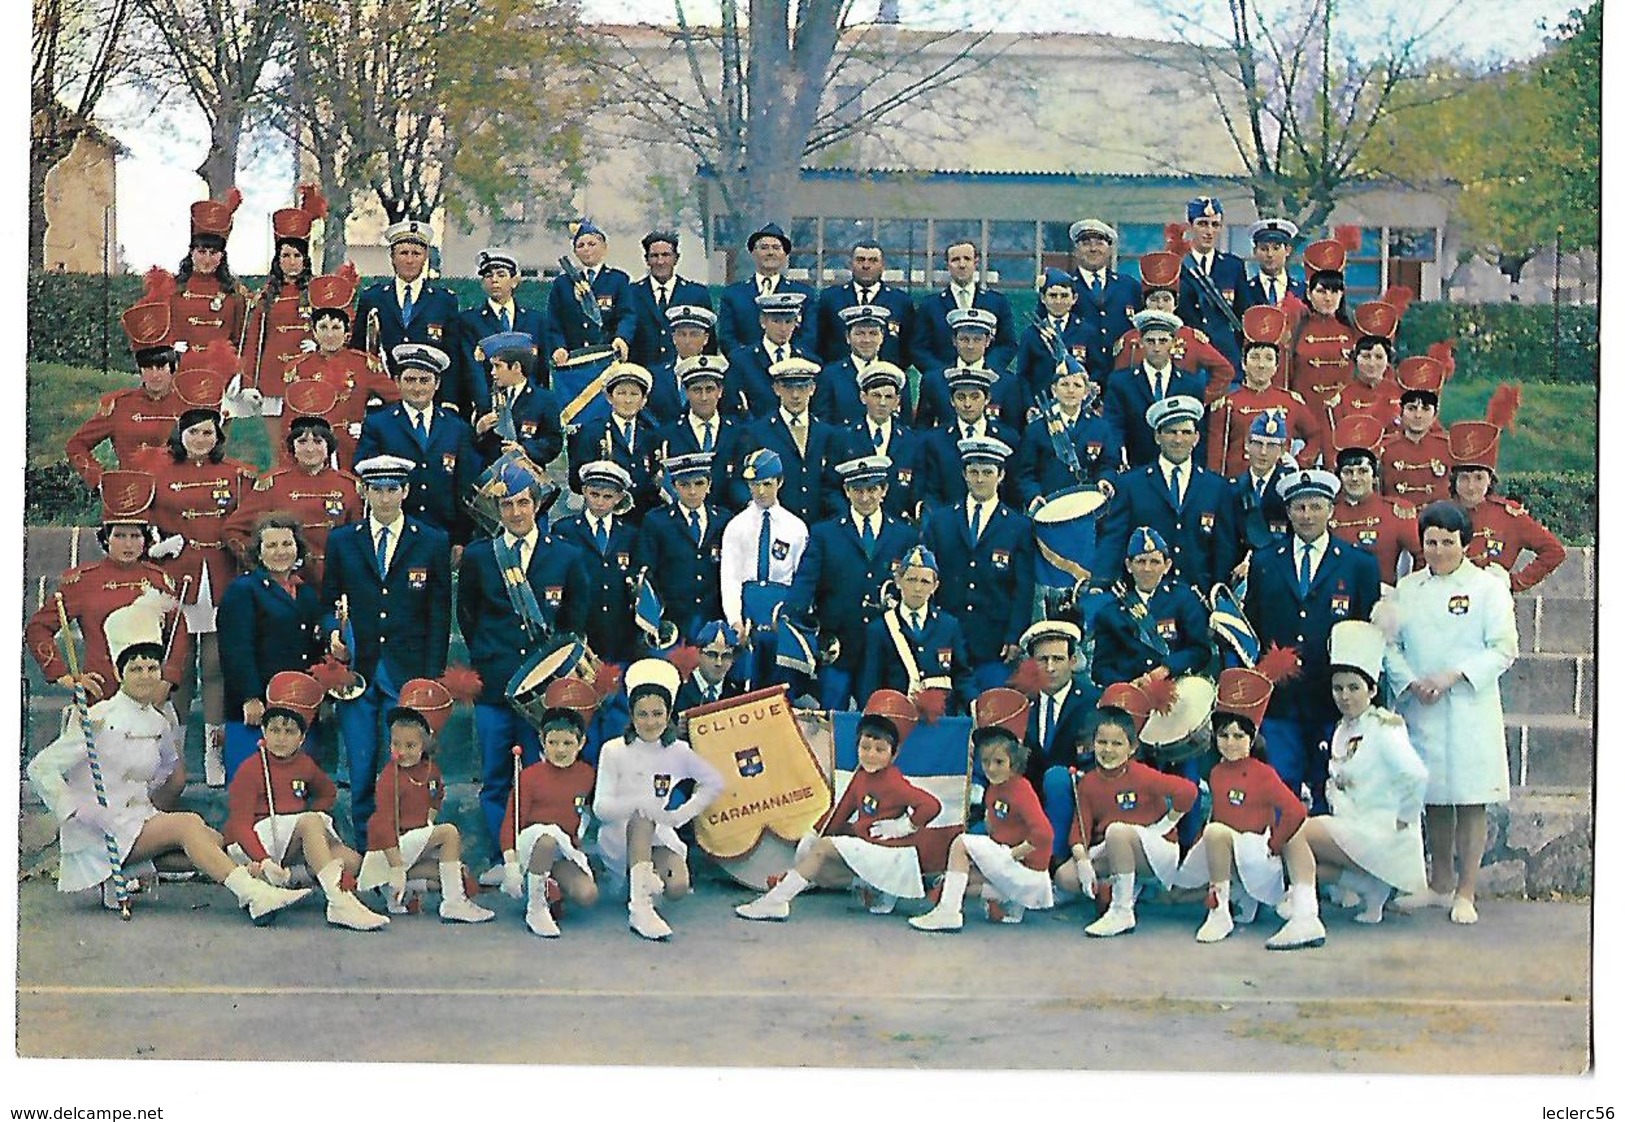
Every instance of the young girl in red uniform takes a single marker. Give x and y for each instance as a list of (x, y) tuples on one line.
[(1255, 821), (1126, 811), (277, 807), (871, 836), (406, 847), (1012, 858), (547, 813)]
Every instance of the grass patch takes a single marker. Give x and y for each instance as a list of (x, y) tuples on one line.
[(1556, 428)]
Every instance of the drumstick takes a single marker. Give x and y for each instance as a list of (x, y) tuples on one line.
[(270, 796), (1077, 816), (518, 766), (180, 602)]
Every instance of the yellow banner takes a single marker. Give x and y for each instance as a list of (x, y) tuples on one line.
[(773, 780)]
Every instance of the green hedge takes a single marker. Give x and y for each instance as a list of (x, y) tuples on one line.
[(1565, 501), (1509, 340)]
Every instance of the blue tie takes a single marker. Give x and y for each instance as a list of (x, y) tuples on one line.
[(1094, 285), (1049, 721), (877, 439), (409, 307), (1303, 572), (601, 536), (707, 441), (764, 546), (382, 555), (1173, 486), (868, 537), (417, 431), (503, 321), (694, 524)]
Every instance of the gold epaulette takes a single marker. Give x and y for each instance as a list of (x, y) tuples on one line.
[(1201, 336), (1403, 508)]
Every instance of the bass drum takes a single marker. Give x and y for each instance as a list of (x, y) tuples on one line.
[(1186, 731), (772, 856)]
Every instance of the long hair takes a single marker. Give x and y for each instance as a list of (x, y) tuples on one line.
[(1225, 720), (228, 283), (177, 447), (649, 689), (275, 278)]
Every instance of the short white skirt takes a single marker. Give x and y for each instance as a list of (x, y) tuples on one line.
[(530, 835), (893, 869), (1011, 879), (1261, 871), (1160, 853), (375, 866), (200, 616), (276, 834)]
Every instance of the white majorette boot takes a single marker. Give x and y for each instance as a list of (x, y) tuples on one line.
[(344, 908), (538, 912), (455, 906), (1303, 927), (949, 914), (1218, 923), (640, 909), (262, 900), (775, 902), (1119, 918)]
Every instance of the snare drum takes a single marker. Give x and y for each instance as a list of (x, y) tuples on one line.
[(1186, 730), (527, 689), (1064, 532)]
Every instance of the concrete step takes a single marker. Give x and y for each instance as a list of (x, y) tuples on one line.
[(1549, 685)]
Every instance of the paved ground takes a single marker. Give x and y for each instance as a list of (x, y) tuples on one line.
[(830, 988)]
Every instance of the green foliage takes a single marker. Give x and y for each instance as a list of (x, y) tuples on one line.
[(1509, 341), (70, 316), (1556, 428), (1564, 501)]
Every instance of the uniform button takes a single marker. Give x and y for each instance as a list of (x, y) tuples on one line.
[(1303, 615), (383, 615), (386, 592), (971, 585), (383, 638)]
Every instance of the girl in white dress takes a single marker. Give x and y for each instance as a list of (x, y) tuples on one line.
[(1375, 783)]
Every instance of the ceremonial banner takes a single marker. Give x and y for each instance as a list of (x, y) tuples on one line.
[(934, 757), (774, 783)]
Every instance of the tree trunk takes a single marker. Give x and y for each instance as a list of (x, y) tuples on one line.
[(39, 165), (219, 167)]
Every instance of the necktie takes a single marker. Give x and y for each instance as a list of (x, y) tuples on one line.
[(975, 522), (1303, 570), (798, 429), (962, 298), (1159, 386), (383, 551), (878, 439), (1094, 285), (521, 549), (504, 321), (418, 430), (1207, 264), (601, 536), (407, 306), (780, 354), (764, 546), (868, 536), (1173, 485), (694, 524), (707, 441), (1049, 721), (663, 297), (626, 434), (1275, 292), (916, 623), (1258, 490), (592, 277)]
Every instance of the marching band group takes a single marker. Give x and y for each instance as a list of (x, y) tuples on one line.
[(1180, 534)]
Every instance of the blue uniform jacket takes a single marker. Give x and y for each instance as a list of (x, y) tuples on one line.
[(644, 325), (938, 651), (727, 489), (498, 644), (1346, 586), (943, 474), (269, 632), (936, 407), (987, 586), (933, 346), (434, 321), (686, 574), (403, 617), (571, 328), (1230, 278), (1259, 524), (1295, 285), (838, 585), (535, 423), (1061, 749), (1201, 534), (1128, 397), (1107, 318), (1179, 617), (899, 329), (906, 450), (836, 399), (1039, 470), (747, 391), (812, 490), (446, 466), (474, 324), (1034, 366), (610, 576), (739, 322), (603, 440)]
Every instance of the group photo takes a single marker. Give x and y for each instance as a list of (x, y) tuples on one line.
[(742, 542)]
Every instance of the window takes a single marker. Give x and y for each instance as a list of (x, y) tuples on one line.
[(907, 245), (1135, 239), (1413, 244), (1012, 253)]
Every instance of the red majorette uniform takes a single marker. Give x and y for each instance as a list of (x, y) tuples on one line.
[(279, 325), (1418, 471), (136, 421), (298, 784), (1230, 418), (1502, 528), (203, 314), (406, 798), (1383, 527), (356, 377), (1373, 319), (1322, 359), (1159, 272), (1139, 795), (551, 803), (93, 592), (892, 865)]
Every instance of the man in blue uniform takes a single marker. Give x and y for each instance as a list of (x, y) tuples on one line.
[(1035, 366), (713, 678), (499, 314), (703, 428), (985, 550), (882, 389), (867, 287), (607, 288), (680, 545), (933, 348), (974, 330), (864, 327), (1132, 392), (1061, 710), (1189, 507), (915, 645), (1151, 621), (411, 308), (1041, 470), (1106, 298), (1272, 249), (514, 590), (626, 436), (654, 294), (808, 448), (748, 390), (849, 556), (689, 328), (1296, 590), (737, 322), (1260, 511), (520, 415), (969, 391), (438, 443), (607, 543), (1211, 280), (392, 574)]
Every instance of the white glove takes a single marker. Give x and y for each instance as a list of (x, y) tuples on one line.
[(397, 884), (513, 879), (1085, 868), (1166, 822), (93, 814), (354, 429), (274, 874), (167, 547), (889, 829)]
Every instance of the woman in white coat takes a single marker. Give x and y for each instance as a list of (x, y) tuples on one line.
[(1455, 636)]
